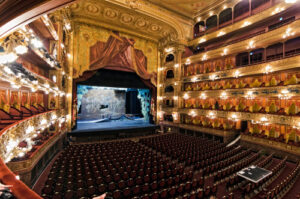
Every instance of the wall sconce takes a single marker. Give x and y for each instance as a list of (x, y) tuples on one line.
[(176, 65), (249, 95), (284, 95), (268, 69), (223, 95), (246, 23), (175, 97), (213, 77), (288, 33), (168, 50), (225, 51), (204, 57), (175, 116), (211, 115), (251, 45), (264, 121), (192, 113), (236, 74), (194, 79), (202, 40), (186, 96), (221, 33), (203, 96), (188, 61), (234, 118)]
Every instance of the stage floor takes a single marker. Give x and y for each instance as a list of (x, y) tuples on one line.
[(93, 126)]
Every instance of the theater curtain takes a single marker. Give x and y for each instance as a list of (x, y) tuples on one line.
[(119, 53)]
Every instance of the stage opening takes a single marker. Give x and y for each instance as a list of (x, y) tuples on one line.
[(111, 107)]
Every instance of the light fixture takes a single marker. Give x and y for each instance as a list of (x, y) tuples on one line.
[(249, 95), (236, 74), (68, 26), (36, 43), (168, 50), (160, 98), (7, 70), (234, 117), (288, 33), (277, 10), (211, 13), (18, 177), (62, 45), (202, 40), (264, 121), (268, 69), (198, 19), (186, 96), (251, 45), (175, 97), (225, 7), (192, 113), (225, 51), (290, 1), (284, 94), (20, 49), (69, 55), (203, 96), (211, 115), (188, 61), (176, 65), (246, 23), (204, 57), (54, 78), (7, 58), (221, 33), (223, 95), (213, 77), (194, 79)]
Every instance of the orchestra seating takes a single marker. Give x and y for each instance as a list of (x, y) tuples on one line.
[(166, 166)]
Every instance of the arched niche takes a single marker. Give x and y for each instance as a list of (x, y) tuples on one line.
[(241, 8), (198, 28), (170, 57), (170, 74), (212, 22), (169, 89), (225, 16)]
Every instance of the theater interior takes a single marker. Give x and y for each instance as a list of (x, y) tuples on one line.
[(149, 99)]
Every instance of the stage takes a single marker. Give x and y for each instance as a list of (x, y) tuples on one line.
[(112, 129)]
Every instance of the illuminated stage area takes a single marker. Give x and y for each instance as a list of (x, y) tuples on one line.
[(106, 124)]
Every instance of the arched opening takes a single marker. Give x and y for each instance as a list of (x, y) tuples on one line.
[(241, 9), (292, 47), (274, 51), (225, 17), (170, 57), (242, 59), (212, 22), (170, 74), (257, 56), (169, 89), (199, 28)]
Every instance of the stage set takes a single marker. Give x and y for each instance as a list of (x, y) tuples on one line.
[(117, 95)]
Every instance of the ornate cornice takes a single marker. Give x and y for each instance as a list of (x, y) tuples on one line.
[(120, 15)]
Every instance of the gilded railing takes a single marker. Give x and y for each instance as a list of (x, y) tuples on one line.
[(26, 129)]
